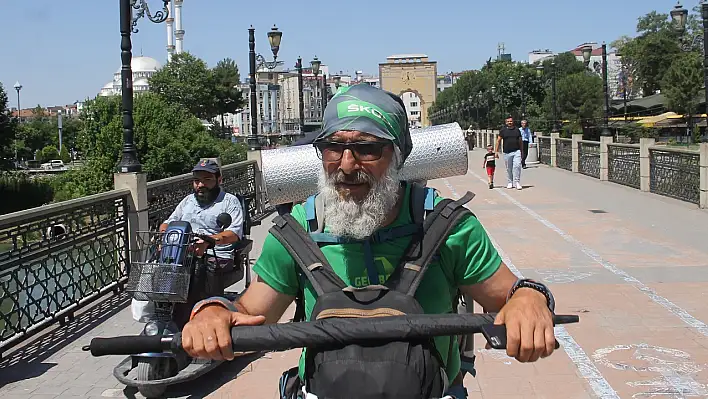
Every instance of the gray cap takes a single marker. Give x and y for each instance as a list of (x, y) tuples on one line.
[(368, 109)]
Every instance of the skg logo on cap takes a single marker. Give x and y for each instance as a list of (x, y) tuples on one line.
[(371, 111)]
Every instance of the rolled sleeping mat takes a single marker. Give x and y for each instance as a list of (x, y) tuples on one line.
[(290, 174)]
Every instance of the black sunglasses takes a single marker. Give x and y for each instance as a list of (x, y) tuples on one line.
[(332, 151)]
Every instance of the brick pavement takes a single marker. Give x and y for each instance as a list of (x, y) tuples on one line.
[(636, 275)]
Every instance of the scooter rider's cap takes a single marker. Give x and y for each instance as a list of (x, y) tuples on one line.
[(207, 165), (371, 110)]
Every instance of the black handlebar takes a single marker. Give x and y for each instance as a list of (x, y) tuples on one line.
[(319, 333)]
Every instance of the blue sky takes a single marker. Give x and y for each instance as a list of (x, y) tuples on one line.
[(63, 51)]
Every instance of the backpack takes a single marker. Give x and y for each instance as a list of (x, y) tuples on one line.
[(375, 370)]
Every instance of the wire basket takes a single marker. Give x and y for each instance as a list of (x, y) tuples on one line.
[(161, 267)]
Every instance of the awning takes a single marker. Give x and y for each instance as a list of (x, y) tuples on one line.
[(651, 121)]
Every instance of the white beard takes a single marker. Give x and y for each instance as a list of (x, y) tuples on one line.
[(345, 217)]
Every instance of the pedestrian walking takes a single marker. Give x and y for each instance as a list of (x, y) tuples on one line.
[(509, 139), (490, 164), (527, 137)]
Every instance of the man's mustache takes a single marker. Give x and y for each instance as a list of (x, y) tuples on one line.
[(358, 177)]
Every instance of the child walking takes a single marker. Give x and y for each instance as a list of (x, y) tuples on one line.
[(490, 165)]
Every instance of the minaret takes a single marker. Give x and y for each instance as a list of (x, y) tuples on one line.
[(170, 38), (179, 32)]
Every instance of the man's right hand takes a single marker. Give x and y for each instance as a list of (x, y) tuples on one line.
[(208, 335)]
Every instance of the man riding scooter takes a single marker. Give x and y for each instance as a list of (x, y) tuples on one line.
[(202, 210)]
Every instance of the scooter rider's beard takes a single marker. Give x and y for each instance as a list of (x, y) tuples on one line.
[(358, 220), (206, 196)]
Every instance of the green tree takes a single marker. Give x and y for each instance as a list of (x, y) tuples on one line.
[(49, 153), (169, 140), (64, 155), (650, 54), (579, 100), (186, 80), (8, 130), (682, 86), (229, 97)]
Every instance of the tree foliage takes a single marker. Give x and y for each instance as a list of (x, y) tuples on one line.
[(7, 132), (681, 84), (186, 80), (169, 140), (226, 78), (206, 93)]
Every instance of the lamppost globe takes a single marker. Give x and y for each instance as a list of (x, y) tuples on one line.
[(678, 17), (587, 53), (315, 65), (18, 86), (539, 71), (274, 37)]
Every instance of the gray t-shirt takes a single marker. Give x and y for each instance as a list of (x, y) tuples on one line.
[(203, 219)]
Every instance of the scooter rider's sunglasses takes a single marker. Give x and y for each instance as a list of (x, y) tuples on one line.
[(367, 151)]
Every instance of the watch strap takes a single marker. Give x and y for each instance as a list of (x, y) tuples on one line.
[(215, 300), (540, 287)]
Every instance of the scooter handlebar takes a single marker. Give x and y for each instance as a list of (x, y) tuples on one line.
[(129, 345), (325, 332)]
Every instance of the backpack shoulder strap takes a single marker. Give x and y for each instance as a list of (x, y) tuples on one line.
[(314, 212), (438, 225), (306, 254), (422, 202)]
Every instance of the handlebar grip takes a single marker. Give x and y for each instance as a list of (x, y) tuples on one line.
[(127, 345), (565, 319)]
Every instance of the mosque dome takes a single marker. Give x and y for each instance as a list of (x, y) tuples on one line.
[(143, 64)]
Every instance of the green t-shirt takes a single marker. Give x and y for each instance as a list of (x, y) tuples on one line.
[(467, 257)]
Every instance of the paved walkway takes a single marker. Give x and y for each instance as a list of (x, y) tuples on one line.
[(633, 265)]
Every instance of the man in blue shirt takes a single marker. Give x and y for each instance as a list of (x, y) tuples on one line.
[(202, 208), (526, 137)]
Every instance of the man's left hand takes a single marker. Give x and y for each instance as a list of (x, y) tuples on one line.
[(200, 247), (529, 326)]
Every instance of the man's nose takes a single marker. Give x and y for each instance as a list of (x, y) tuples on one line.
[(348, 163)]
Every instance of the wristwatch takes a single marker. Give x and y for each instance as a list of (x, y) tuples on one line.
[(528, 283), (215, 300)]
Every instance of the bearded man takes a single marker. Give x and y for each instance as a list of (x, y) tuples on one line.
[(363, 145)]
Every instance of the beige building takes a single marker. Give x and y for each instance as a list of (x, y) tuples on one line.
[(414, 78)]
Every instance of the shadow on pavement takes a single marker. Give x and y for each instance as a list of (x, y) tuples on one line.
[(27, 361), (208, 383)]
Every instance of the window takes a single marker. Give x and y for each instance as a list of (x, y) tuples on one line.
[(414, 103)]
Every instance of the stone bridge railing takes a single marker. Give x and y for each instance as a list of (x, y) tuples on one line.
[(672, 172), (58, 258)]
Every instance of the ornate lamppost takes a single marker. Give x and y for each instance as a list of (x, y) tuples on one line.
[(679, 16), (315, 66), (274, 37), (301, 103), (129, 162)]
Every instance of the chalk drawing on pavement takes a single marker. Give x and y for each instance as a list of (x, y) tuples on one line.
[(675, 368), (562, 276)]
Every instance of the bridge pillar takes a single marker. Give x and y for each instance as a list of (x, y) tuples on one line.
[(575, 151), (255, 155), (137, 202), (703, 164), (554, 145), (644, 163), (604, 159)]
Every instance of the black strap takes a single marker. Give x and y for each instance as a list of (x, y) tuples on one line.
[(306, 254), (438, 225), (417, 205)]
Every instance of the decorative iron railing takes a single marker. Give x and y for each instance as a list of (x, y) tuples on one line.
[(57, 258), (589, 158), (544, 150), (239, 179), (623, 164), (564, 154), (675, 173)]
